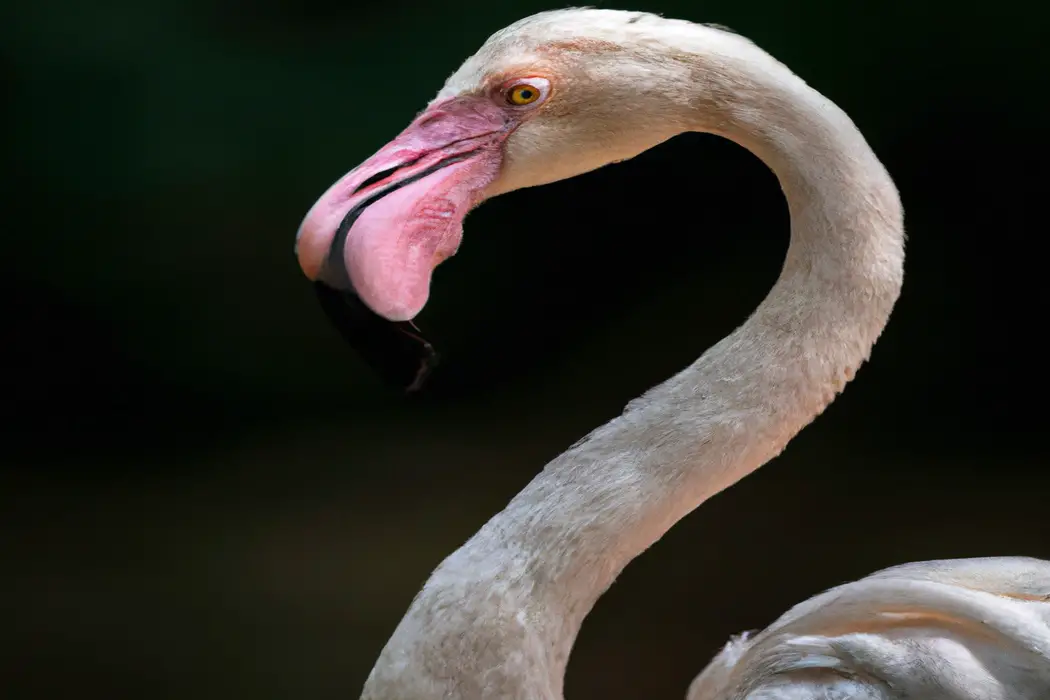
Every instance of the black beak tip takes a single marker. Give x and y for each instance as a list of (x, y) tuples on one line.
[(396, 351)]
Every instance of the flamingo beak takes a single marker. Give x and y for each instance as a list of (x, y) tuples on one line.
[(372, 241)]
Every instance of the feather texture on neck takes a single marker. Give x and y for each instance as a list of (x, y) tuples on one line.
[(498, 617)]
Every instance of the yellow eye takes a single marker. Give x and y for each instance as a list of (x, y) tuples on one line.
[(523, 94)]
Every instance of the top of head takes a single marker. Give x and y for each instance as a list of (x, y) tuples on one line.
[(619, 86), (536, 38)]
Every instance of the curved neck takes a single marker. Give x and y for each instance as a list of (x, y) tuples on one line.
[(503, 611)]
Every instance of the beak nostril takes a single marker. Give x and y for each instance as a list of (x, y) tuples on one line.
[(378, 177), (384, 174)]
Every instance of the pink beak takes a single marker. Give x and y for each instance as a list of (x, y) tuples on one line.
[(382, 229)]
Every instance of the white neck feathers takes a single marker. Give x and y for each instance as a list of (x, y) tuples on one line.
[(498, 618)]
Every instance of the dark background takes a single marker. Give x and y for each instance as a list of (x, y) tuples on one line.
[(206, 495)]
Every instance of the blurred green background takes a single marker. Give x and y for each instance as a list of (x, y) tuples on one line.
[(206, 495)]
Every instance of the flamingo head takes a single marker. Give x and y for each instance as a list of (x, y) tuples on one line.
[(550, 97)]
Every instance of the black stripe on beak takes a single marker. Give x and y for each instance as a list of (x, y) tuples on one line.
[(395, 350)]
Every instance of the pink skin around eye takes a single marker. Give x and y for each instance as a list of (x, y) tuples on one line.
[(439, 169)]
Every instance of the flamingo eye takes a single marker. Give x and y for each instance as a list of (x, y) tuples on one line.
[(526, 92), (523, 94)]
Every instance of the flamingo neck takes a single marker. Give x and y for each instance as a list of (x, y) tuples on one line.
[(499, 616)]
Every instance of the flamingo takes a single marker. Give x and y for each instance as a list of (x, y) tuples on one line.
[(559, 94)]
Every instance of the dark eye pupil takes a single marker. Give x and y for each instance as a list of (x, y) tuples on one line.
[(525, 94)]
